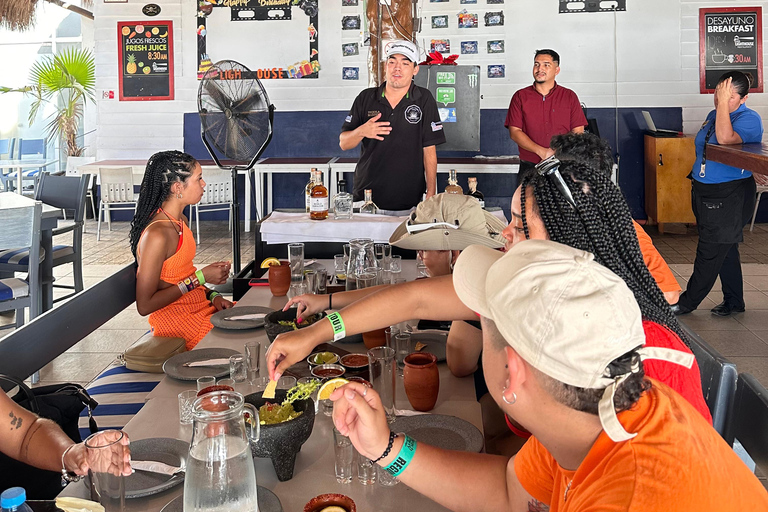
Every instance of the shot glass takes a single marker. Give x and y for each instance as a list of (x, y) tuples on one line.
[(310, 277), (307, 380), (286, 382), (227, 381), (375, 271), (340, 268), (186, 399), (322, 281), (102, 449), (344, 453), (403, 348), (396, 264), (383, 253), (296, 259), (252, 359), (260, 384), (366, 470), (297, 288), (382, 370), (366, 280), (238, 371), (390, 333), (327, 407), (204, 382), (385, 477)]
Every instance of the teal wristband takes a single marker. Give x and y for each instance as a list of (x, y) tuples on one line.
[(339, 331), (403, 458), (212, 296), (200, 276)]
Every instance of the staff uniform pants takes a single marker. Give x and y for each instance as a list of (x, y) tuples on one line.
[(715, 258)]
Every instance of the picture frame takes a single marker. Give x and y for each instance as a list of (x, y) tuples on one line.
[(469, 47), (496, 71), (349, 49), (494, 19), (496, 46), (440, 45), (350, 22), (440, 21), (350, 73)]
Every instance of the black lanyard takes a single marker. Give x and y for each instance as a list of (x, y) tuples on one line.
[(711, 130)]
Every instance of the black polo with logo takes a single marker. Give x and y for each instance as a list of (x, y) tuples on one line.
[(394, 167)]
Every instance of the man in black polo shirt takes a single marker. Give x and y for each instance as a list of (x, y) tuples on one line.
[(399, 127)]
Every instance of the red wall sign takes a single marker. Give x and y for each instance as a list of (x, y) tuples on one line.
[(145, 58)]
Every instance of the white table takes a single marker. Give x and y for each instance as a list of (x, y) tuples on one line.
[(20, 165), (314, 470), (287, 227), (139, 167)]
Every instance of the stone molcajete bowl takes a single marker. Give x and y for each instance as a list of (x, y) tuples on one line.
[(281, 442)]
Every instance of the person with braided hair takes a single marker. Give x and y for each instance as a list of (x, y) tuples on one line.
[(601, 224), (168, 287)]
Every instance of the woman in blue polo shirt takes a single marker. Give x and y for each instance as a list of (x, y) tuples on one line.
[(723, 198)]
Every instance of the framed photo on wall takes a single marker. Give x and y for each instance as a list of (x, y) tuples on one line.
[(730, 39)]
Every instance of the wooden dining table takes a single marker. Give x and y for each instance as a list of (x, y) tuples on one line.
[(752, 157), (314, 471), (48, 222)]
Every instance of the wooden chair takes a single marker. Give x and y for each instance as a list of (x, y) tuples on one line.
[(718, 379), (748, 420), (116, 193), (21, 228)]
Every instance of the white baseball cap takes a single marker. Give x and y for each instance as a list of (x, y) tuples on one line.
[(565, 314), (402, 47)]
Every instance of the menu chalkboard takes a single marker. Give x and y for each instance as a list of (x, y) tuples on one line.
[(730, 39), (145, 54)]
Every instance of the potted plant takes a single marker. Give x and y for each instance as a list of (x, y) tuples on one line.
[(66, 81)]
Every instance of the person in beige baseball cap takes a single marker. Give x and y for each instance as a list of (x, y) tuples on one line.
[(563, 351)]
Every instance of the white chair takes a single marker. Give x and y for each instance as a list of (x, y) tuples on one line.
[(217, 197), (73, 169), (762, 186), (116, 193)]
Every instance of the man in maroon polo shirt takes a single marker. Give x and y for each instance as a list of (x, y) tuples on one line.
[(544, 109)]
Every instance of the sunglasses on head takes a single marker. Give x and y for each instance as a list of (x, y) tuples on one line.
[(551, 167)]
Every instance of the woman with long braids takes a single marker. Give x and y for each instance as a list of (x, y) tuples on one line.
[(168, 287), (599, 223)]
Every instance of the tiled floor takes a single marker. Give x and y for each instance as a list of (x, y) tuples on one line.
[(742, 338)]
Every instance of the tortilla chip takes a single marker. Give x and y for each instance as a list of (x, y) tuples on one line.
[(420, 346), (269, 391)]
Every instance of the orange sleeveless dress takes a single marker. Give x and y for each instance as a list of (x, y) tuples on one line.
[(189, 317)]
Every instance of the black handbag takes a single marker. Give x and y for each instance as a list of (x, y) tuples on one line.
[(61, 403)]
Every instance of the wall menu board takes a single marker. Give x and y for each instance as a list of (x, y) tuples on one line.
[(145, 56), (730, 39)]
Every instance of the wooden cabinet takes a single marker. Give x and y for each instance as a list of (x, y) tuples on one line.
[(668, 160)]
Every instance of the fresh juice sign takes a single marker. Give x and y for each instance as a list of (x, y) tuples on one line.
[(146, 60)]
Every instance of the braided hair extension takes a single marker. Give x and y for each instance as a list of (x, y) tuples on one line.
[(603, 226), (163, 170)]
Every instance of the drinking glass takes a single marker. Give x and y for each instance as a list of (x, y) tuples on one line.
[(403, 348), (307, 380), (385, 477), (310, 277), (226, 382), (238, 371), (186, 399), (375, 271), (252, 359), (204, 382), (390, 333), (101, 450), (286, 382), (421, 267), (382, 370), (260, 383), (386, 276), (340, 268), (396, 264), (366, 280), (344, 453), (298, 287), (296, 258), (322, 281), (366, 470), (383, 253)]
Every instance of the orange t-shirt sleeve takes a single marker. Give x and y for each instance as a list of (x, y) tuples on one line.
[(535, 471), (655, 263)]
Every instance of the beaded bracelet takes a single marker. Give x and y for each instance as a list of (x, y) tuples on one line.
[(67, 476), (403, 458), (392, 437)]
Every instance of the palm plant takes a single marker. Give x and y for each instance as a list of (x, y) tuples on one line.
[(67, 81)]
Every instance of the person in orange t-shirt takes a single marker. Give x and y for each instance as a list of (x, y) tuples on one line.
[(563, 351), (591, 150)]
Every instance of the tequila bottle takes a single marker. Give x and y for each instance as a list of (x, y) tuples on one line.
[(476, 193), (318, 201), (308, 188), (369, 206), (342, 202), (453, 184)]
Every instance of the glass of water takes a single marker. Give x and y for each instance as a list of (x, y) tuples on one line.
[(382, 369), (296, 258), (403, 348), (238, 371), (252, 359)]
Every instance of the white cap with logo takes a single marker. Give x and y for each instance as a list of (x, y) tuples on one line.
[(402, 47), (565, 314)]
